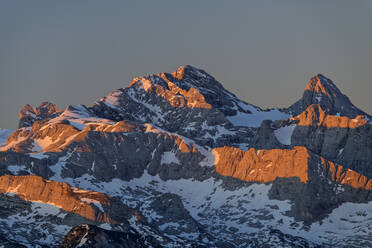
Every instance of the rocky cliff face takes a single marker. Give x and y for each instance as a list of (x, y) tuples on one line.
[(182, 162), (58, 207), (91, 205), (338, 138), (316, 178), (261, 165)]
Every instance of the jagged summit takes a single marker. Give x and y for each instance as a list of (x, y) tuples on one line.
[(323, 85), (321, 90), (189, 71), (157, 98), (187, 76), (187, 96), (29, 115)]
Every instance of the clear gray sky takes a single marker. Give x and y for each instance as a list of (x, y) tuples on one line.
[(74, 52)]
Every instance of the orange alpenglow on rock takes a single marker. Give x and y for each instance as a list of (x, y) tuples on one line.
[(262, 165), (266, 165), (179, 73), (62, 195), (175, 96), (315, 116), (118, 127), (315, 84), (349, 177)]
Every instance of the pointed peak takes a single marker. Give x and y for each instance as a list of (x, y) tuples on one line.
[(27, 108), (322, 85), (48, 105), (47, 108), (321, 90)]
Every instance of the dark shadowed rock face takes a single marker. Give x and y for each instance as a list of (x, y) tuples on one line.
[(265, 138), (340, 139), (315, 185), (4, 242), (89, 236), (171, 208)]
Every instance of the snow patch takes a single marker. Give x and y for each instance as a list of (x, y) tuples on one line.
[(112, 100), (41, 144), (284, 134), (256, 117), (346, 223), (4, 135), (14, 169), (169, 158), (40, 155), (340, 151), (169, 225), (78, 125), (94, 202)]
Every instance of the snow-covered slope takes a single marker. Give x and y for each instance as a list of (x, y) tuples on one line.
[(4, 135)]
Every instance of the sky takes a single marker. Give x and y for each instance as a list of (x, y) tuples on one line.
[(75, 52)]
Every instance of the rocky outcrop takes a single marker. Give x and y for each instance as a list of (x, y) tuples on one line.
[(314, 185), (120, 150), (41, 137), (265, 138), (93, 206), (108, 155), (314, 115), (29, 115), (337, 138), (87, 236), (262, 165), (37, 224), (175, 219), (267, 165), (213, 92), (174, 95), (188, 101)]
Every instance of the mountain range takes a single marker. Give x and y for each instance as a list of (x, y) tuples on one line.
[(176, 160)]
